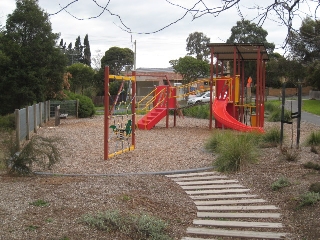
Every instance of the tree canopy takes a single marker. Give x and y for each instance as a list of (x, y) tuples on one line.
[(249, 32), (118, 59), (79, 53), (190, 68), (34, 66), (304, 45), (197, 45), (81, 77)]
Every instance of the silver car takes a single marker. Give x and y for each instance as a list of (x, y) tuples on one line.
[(205, 97)]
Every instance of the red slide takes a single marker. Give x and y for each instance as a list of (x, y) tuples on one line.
[(219, 108)]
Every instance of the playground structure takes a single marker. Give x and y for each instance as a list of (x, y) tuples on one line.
[(230, 103), (119, 135)]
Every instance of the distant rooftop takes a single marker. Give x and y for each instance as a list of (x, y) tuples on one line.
[(169, 69)]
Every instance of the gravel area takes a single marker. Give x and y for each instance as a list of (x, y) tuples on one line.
[(157, 150)]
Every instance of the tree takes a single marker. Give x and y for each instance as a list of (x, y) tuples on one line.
[(247, 32), (190, 68), (86, 51), (82, 77), (197, 45), (312, 76), (279, 67), (305, 44), (35, 66), (117, 59)]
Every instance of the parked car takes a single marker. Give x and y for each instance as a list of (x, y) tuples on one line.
[(205, 97)]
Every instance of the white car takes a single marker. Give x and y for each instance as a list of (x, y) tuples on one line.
[(205, 97)]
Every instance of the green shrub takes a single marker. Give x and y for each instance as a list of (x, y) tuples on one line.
[(271, 137), (201, 111), (149, 227), (39, 203), (107, 221), (309, 198), (137, 227), (275, 115), (312, 165), (216, 138), (86, 106), (39, 151), (313, 139), (315, 187), (7, 122), (290, 155), (280, 183), (236, 150), (314, 149), (271, 106)]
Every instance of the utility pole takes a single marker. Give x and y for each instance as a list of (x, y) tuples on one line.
[(135, 55)]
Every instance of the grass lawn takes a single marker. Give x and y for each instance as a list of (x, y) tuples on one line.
[(311, 106)]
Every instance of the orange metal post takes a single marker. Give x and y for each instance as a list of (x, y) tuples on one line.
[(106, 111)]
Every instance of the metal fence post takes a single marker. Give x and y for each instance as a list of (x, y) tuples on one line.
[(27, 123), (17, 118), (35, 117)]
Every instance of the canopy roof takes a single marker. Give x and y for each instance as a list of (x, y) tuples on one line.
[(246, 51)]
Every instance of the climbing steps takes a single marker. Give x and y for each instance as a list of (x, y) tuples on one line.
[(149, 120), (227, 209)]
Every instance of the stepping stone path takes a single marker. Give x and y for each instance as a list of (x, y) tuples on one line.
[(227, 209)]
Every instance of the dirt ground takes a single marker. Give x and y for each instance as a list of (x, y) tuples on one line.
[(70, 198)]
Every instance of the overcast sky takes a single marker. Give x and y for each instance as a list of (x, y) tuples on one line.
[(144, 16)]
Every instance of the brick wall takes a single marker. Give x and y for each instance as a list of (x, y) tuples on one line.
[(289, 91)]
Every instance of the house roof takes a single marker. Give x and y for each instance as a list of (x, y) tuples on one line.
[(164, 70), (246, 51)]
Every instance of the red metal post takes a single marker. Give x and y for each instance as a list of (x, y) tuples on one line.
[(258, 86), (106, 112), (242, 92), (211, 87), (167, 106), (234, 81)]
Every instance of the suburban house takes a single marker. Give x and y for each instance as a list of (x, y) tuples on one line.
[(148, 78)]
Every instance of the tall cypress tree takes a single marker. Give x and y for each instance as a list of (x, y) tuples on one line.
[(86, 51)]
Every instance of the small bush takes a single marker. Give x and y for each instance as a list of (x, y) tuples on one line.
[(309, 198), (7, 122), (315, 187), (198, 111), (314, 149), (39, 203), (149, 227), (275, 116), (236, 151), (271, 138), (216, 138), (86, 106), (107, 221), (313, 139), (290, 155), (38, 151), (312, 165), (138, 227), (280, 183), (271, 106)]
